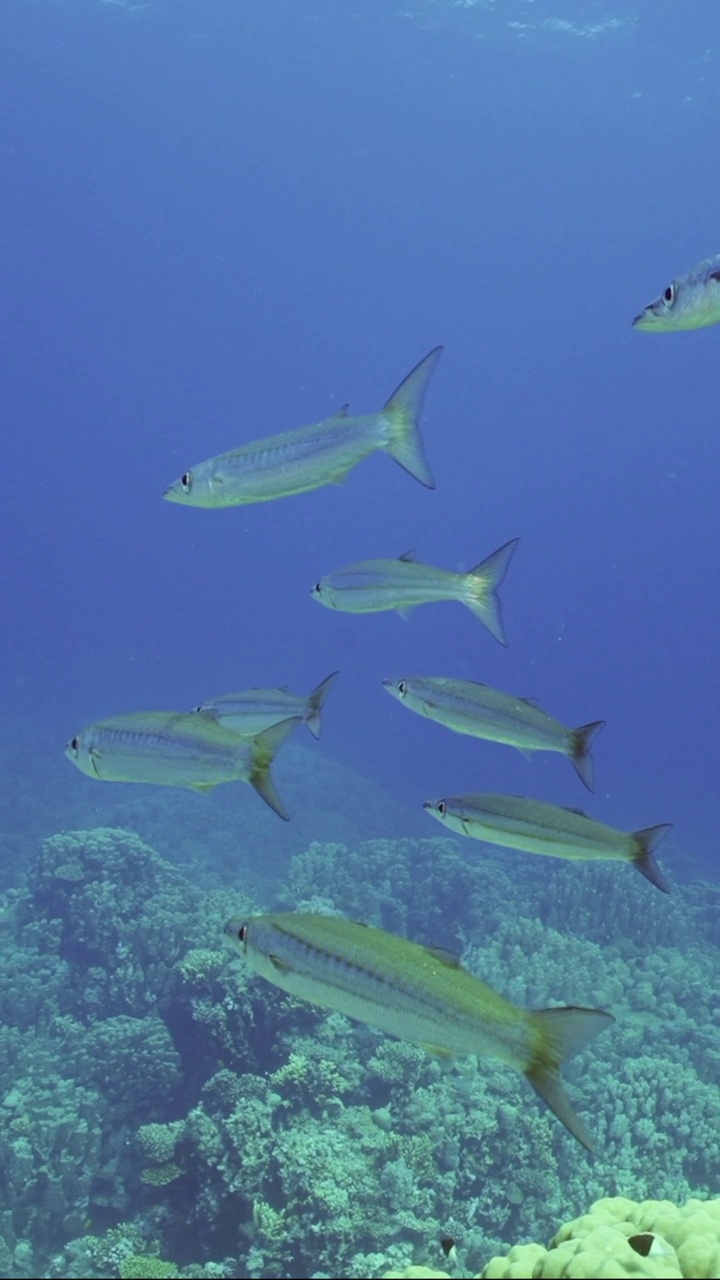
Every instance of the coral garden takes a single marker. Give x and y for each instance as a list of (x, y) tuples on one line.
[(163, 1112)]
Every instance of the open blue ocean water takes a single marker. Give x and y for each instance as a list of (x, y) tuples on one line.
[(224, 219)]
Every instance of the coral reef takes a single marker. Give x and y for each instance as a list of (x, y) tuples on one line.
[(198, 1117)]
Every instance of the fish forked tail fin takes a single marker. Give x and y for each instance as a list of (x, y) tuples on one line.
[(580, 742), (563, 1033), (316, 702), (646, 841), (403, 409), (480, 588), (263, 750)]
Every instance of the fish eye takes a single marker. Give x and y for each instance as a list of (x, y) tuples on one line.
[(186, 482), (242, 933), (317, 589), (441, 808), (402, 688), (669, 295), (74, 744)]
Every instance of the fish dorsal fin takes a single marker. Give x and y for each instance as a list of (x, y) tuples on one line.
[(445, 956), (571, 809), (341, 413), (408, 555), (531, 702)]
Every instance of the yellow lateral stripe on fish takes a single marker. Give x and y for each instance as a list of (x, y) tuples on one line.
[(468, 707), (417, 993), (307, 457), (371, 586), (534, 826)]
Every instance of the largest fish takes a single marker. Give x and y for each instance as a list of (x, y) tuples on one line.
[(417, 993), (322, 453)]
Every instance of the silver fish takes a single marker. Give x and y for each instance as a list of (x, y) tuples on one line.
[(688, 302), (420, 994), (250, 711), (323, 453), (369, 586), (178, 749), (537, 827), (466, 706)]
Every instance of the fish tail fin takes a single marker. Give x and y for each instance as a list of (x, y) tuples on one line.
[(262, 752), (580, 742), (480, 589), (316, 702), (561, 1034), (646, 841), (403, 410)]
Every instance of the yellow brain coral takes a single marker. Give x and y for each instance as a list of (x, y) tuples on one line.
[(621, 1238), (616, 1238)]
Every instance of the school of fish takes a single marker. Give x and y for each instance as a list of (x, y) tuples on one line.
[(419, 993)]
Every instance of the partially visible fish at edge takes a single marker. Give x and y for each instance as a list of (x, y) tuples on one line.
[(691, 301)]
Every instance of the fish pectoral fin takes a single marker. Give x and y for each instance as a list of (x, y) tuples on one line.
[(277, 963), (95, 756), (445, 956)]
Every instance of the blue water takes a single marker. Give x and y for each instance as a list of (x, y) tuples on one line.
[(221, 220)]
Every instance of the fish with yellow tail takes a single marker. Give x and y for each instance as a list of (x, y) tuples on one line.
[(370, 586), (466, 706), (322, 453), (417, 993), (535, 826), (179, 749)]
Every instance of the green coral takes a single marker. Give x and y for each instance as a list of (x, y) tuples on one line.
[(147, 1267), (159, 1175)]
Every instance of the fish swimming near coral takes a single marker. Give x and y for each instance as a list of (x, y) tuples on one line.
[(179, 749), (251, 711), (466, 706), (417, 993), (688, 302), (369, 586), (535, 826), (308, 457)]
